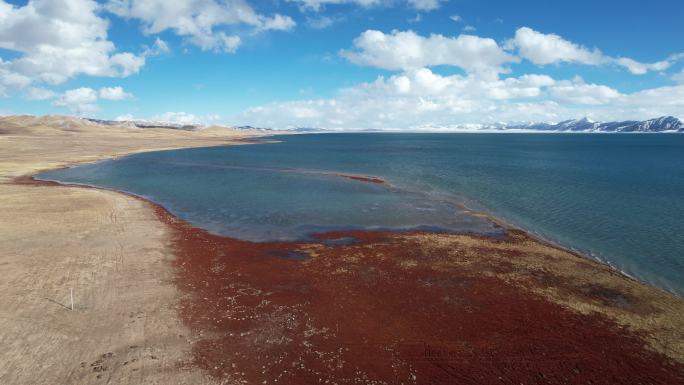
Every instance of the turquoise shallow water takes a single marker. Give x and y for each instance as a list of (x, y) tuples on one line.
[(617, 197)]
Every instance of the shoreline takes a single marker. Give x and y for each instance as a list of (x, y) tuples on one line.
[(191, 244), (492, 217), (207, 358), (30, 179), (569, 249), (197, 262)]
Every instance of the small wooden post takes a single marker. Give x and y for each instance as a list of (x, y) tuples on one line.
[(72, 298)]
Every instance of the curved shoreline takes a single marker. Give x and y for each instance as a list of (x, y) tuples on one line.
[(189, 231), (492, 217), (205, 354), (31, 179)]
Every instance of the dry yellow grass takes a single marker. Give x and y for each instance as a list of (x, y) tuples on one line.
[(108, 247)]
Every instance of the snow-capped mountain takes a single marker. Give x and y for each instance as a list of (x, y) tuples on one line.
[(662, 124), (144, 124)]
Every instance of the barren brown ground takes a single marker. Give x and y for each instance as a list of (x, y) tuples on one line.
[(109, 248)]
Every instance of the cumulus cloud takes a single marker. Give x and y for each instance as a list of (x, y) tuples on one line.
[(277, 23), (176, 117), (402, 50), (413, 98), (543, 49), (424, 5), (679, 77), (113, 93), (416, 97), (577, 91), (317, 5), (203, 23), (420, 98), (80, 100), (321, 22), (160, 47), (456, 18), (540, 48), (638, 68), (10, 79), (38, 93), (57, 40), (83, 100)]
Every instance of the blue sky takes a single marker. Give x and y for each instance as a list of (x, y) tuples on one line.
[(343, 63)]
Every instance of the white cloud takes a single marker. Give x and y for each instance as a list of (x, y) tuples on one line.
[(469, 28), (638, 68), (230, 44), (542, 49), (415, 19), (83, 100), (321, 22), (679, 77), (57, 40), (180, 117), (204, 23), (424, 5), (456, 18), (420, 98), (577, 91), (80, 100), (407, 50), (641, 68), (160, 47), (10, 79), (407, 100), (127, 63), (416, 97), (38, 93), (317, 5), (113, 93), (277, 23), (77, 96)]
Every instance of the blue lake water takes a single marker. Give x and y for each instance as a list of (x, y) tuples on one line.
[(617, 197)]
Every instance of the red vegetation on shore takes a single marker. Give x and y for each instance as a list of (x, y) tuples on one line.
[(358, 313)]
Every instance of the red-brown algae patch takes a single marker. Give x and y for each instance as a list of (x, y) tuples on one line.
[(377, 312)]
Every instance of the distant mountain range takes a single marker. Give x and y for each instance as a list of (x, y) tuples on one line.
[(23, 124), (178, 126), (172, 125), (662, 124), (144, 124)]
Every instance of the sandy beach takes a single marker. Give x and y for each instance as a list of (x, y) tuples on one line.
[(158, 301)]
